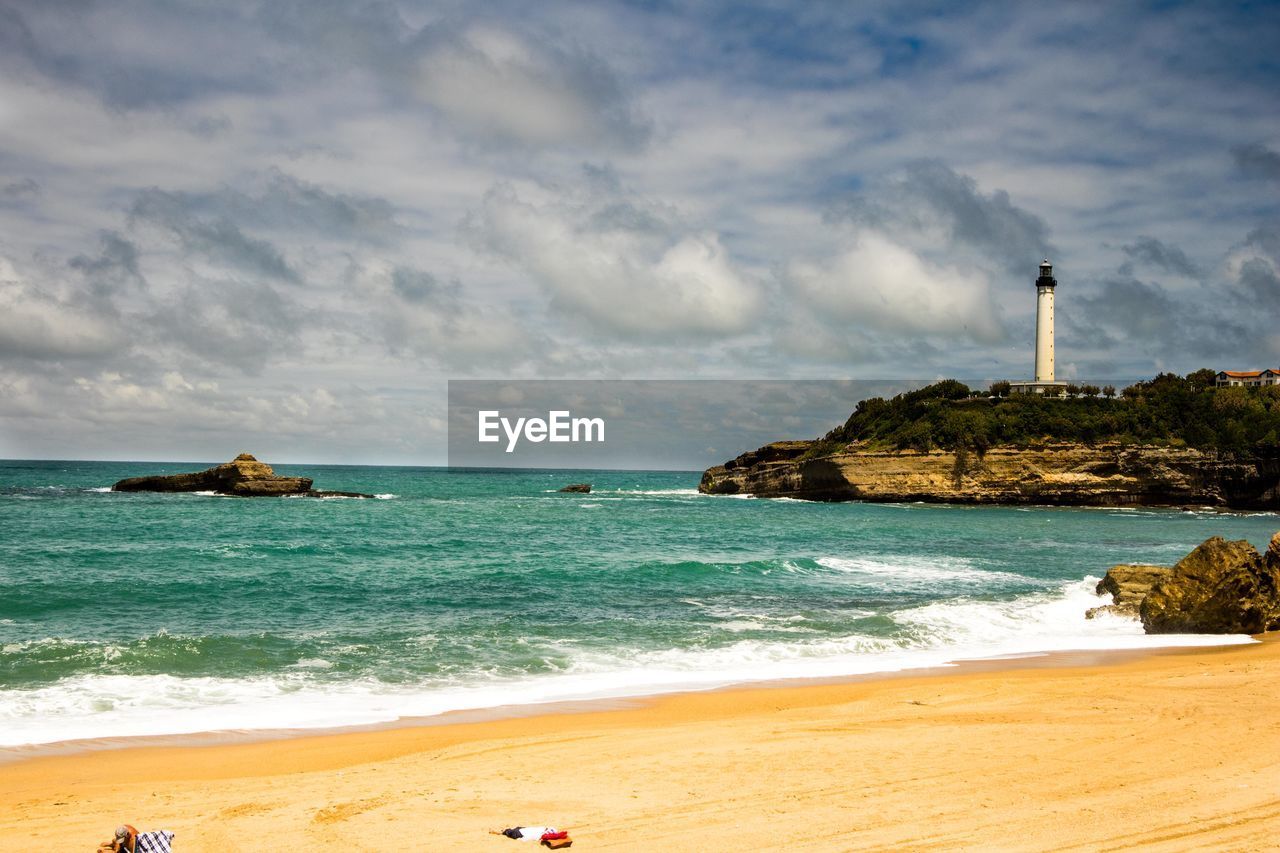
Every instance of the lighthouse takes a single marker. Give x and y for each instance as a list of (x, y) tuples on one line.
[(1044, 322), (1043, 383)]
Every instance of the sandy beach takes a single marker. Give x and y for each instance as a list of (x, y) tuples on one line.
[(1167, 750)]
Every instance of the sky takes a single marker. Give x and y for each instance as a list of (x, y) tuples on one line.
[(283, 226)]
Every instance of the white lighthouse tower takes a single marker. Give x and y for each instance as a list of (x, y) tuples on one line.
[(1044, 322), (1043, 383)]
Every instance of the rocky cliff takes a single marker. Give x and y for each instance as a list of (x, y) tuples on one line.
[(243, 476), (1063, 474)]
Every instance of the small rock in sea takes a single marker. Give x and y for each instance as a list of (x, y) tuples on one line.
[(243, 476), (579, 488)]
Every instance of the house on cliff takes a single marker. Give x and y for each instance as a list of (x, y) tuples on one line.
[(1228, 378)]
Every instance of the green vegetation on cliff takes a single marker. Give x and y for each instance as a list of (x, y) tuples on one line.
[(1168, 409)]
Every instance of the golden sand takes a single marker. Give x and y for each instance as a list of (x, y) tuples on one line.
[(1168, 751)]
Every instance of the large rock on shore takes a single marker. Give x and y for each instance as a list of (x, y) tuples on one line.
[(243, 476), (1128, 585), (1219, 588)]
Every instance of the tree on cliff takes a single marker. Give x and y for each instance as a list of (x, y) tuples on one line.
[(1202, 378), (1167, 409)]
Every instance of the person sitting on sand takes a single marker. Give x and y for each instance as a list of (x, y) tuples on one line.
[(125, 841), (129, 840)]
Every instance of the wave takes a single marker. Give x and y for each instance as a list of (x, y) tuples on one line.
[(907, 571), (306, 696)]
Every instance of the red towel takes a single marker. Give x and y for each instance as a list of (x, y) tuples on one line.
[(553, 836)]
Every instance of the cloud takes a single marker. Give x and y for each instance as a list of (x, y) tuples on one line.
[(283, 202), (229, 322), (113, 269), (414, 312), (1139, 311), (1254, 267), (17, 189), (1257, 161), (1216, 320), (1151, 253), (185, 51), (493, 82), (324, 34), (879, 284), (906, 268), (217, 238), (627, 266), (947, 214), (170, 414), (37, 324)]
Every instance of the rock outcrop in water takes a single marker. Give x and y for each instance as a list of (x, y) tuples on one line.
[(1221, 587), (1066, 474), (243, 476), (577, 488), (1128, 586)]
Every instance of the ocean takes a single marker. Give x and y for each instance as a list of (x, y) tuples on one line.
[(156, 614)]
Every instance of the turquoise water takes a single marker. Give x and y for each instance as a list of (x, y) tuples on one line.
[(130, 614)]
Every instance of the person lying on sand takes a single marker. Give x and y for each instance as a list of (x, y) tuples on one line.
[(525, 833)]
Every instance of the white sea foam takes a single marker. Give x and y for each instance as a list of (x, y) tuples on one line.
[(97, 706), (920, 571), (386, 496), (99, 489)]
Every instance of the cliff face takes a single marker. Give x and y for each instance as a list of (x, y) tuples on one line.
[(1062, 474)]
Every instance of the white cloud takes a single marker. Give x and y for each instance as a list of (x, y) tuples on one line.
[(877, 283), (492, 81), (625, 265), (414, 312), (37, 324)]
